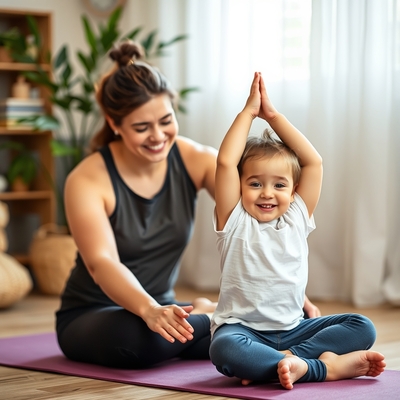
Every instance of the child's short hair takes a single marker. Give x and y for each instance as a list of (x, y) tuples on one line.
[(268, 146)]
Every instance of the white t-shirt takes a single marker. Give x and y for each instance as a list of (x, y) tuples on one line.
[(264, 269)]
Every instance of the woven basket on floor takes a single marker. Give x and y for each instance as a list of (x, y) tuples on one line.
[(4, 218), (3, 241), (4, 215), (52, 256), (15, 281)]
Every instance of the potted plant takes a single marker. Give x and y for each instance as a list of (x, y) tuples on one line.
[(73, 94), (4, 53), (23, 167), (18, 47)]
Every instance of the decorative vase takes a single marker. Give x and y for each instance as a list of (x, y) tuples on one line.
[(5, 55), (52, 256), (15, 280), (20, 89), (18, 185)]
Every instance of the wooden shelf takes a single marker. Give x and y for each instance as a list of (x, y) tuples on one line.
[(21, 67), (31, 209), (19, 131), (29, 195)]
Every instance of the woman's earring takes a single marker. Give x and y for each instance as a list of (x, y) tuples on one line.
[(116, 133)]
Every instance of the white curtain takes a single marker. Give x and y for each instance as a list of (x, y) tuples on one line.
[(333, 68), (353, 120)]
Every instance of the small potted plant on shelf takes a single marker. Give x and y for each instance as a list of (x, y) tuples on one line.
[(4, 52), (23, 167), (19, 47)]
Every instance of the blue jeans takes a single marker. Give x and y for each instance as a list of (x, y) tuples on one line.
[(246, 353)]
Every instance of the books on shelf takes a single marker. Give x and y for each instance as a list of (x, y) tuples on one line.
[(13, 109)]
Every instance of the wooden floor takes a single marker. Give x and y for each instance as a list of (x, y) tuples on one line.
[(35, 314)]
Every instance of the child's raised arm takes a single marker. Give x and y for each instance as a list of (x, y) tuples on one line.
[(227, 181), (309, 187)]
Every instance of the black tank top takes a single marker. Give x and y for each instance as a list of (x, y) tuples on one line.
[(151, 235)]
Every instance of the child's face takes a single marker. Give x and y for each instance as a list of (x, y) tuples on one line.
[(267, 187)]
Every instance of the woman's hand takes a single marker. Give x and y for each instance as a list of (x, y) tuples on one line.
[(312, 310), (202, 305), (170, 322)]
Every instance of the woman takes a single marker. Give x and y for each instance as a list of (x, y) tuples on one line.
[(130, 207)]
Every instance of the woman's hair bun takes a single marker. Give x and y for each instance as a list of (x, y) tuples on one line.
[(126, 52)]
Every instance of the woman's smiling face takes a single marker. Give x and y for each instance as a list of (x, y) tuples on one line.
[(150, 131)]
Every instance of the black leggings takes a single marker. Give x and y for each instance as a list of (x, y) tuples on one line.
[(114, 337)]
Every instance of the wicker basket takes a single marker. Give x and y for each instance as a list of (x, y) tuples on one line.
[(4, 218), (15, 281), (52, 256), (3, 241), (4, 215)]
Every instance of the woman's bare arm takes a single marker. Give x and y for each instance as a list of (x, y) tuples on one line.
[(85, 195)]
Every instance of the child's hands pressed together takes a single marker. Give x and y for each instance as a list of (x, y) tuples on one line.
[(267, 111), (253, 102)]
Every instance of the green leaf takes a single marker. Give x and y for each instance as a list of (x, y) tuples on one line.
[(61, 149), (66, 74), (74, 81), (87, 86), (84, 104), (61, 57), (23, 163), (132, 35), (22, 58), (64, 102), (14, 41), (30, 169), (23, 166), (107, 40), (41, 78), (89, 34), (114, 19), (182, 108), (86, 62), (183, 93), (175, 39), (148, 41), (11, 145), (41, 122), (47, 123), (159, 52), (33, 27)]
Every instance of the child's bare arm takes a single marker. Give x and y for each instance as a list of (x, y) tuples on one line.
[(227, 181), (309, 187)]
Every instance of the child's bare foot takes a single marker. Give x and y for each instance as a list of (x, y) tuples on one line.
[(351, 365), (202, 305), (290, 370), (246, 382)]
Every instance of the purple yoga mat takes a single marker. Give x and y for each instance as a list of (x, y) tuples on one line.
[(41, 353)]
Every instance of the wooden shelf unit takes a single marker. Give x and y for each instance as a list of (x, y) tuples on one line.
[(40, 199)]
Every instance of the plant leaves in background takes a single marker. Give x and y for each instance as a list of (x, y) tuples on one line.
[(72, 93)]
